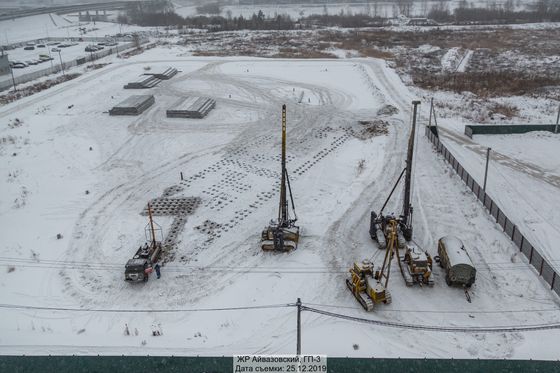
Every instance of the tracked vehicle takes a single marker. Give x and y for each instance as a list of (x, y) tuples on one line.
[(418, 263), (365, 288), (282, 234)]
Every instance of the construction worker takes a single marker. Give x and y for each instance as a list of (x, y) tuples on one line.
[(158, 272)]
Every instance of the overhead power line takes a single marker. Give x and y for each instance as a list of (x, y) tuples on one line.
[(434, 328), (106, 310)]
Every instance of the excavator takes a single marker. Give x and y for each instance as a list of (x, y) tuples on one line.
[(282, 235), (418, 268)]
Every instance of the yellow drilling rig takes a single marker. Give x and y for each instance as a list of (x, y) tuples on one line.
[(418, 268), (282, 234)]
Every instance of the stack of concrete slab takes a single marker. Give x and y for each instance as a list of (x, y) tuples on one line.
[(164, 74), (143, 82), (191, 107), (134, 105)]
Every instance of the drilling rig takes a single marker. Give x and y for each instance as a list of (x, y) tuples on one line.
[(139, 267), (418, 262), (282, 234)]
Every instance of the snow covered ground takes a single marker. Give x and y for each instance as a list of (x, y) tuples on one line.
[(53, 25), (64, 143), (524, 180)]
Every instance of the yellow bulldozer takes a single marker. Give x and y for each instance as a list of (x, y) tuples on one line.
[(367, 290)]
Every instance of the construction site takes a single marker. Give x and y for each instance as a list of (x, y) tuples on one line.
[(366, 235), (169, 204)]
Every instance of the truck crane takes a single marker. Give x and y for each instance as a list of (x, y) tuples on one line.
[(139, 267)]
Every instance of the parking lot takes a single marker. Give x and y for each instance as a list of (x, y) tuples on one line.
[(30, 58)]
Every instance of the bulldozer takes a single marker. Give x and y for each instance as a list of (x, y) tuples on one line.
[(418, 263), (282, 234), (365, 288), (366, 285)]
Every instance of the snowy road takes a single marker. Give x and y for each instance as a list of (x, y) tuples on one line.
[(230, 160)]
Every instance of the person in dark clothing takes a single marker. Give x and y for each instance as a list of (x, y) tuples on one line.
[(158, 270)]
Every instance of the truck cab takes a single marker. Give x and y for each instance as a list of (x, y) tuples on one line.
[(135, 269)]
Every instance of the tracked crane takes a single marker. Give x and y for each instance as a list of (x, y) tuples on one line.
[(418, 268), (282, 234)]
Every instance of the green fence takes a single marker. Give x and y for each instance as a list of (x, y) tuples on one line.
[(154, 364), (507, 129)]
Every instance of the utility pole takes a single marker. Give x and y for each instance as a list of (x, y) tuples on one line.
[(431, 111), (557, 120), (61, 63), (13, 79), (298, 304), (486, 172)]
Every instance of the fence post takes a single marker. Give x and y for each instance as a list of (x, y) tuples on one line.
[(486, 172), (542, 264), (298, 304), (553, 279), (522, 242), (513, 231), (531, 255)]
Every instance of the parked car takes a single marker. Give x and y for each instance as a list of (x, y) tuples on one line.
[(18, 65), (455, 260), (45, 57), (40, 45), (91, 48), (55, 50), (29, 48), (53, 43)]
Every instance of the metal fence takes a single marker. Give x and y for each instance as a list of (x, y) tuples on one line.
[(545, 270), (7, 83), (505, 129)]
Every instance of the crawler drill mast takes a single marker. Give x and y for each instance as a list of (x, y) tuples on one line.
[(418, 267), (282, 234)]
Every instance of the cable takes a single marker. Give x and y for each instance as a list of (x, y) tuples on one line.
[(30, 263), (41, 308), (445, 329), (440, 312)]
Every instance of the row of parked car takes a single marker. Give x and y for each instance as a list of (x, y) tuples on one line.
[(20, 64), (32, 46), (57, 48), (100, 45)]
